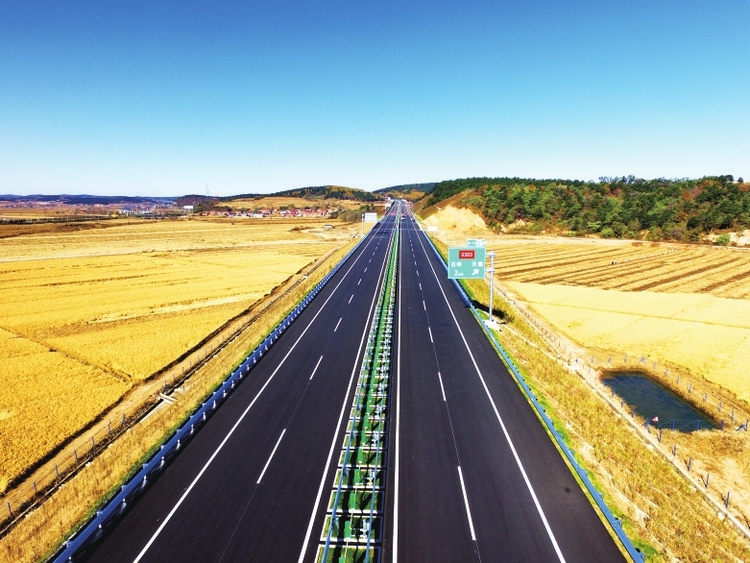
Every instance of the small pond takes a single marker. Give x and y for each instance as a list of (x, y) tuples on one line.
[(650, 399)]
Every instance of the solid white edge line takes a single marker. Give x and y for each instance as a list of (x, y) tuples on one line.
[(337, 324), (466, 503), (442, 389), (316, 368), (239, 420), (338, 425), (270, 458), (500, 420)]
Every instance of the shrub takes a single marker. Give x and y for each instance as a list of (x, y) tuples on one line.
[(723, 239)]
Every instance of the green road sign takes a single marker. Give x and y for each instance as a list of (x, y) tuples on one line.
[(466, 262), (475, 242)]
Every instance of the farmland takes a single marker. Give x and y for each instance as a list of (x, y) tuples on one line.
[(651, 480), (685, 305), (87, 315), (275, 202)]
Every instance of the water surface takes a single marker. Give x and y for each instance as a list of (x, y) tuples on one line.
[(651, 399)]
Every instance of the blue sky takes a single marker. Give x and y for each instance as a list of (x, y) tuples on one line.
[(164, 98)]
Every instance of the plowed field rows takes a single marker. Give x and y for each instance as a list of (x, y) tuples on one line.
[(624, 266), (680, 304)]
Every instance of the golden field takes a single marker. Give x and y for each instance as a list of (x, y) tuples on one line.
[(86, 315), (667, 510), (36, 534), (706, 335), (684, 305)]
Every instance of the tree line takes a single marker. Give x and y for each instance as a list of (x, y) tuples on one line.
[(619, 207)]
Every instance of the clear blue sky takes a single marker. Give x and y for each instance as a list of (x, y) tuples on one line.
[(163, 98)]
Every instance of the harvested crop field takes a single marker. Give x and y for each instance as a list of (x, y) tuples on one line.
[(86, 315), (628, 266), (708, 336), (285, 201), (621, 265), (685, 305)]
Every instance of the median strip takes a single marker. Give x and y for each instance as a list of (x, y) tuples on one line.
[(354, 521)]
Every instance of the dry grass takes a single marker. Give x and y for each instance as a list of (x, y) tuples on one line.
[(80, 313), (661, 506), (663, 511), (704, 335)]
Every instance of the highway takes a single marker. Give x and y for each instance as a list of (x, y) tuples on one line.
[(475, 477), (471, 473), (245, 488)]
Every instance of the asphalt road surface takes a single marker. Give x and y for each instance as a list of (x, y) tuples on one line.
[(472, 475), (475, 476)]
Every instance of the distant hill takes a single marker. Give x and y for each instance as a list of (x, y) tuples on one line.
[(79, 200), (627, 207), (425, 188), (323, 192)]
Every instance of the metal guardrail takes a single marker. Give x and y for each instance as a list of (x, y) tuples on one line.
[(613, 521), (82, 541)]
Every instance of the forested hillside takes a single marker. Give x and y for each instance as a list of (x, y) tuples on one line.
[(325, 192), (627, 207)]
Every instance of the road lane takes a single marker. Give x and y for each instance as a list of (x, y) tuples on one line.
[(431, 524)]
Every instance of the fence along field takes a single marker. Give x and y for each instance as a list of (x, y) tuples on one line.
[(87, 315)]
